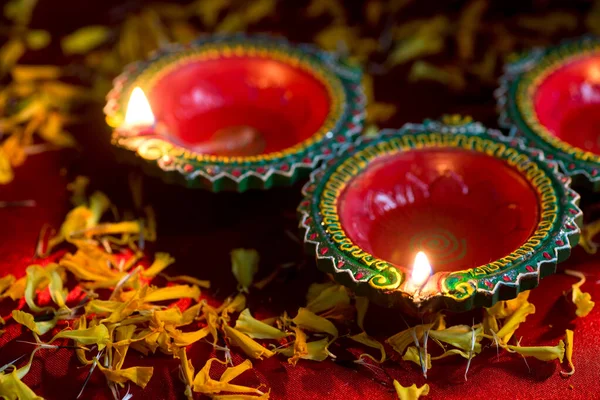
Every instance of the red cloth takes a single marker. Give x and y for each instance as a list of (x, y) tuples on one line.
[(200, 229)]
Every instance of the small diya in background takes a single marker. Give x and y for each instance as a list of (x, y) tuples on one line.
[(552, 97), (236, 112), (444, 215)]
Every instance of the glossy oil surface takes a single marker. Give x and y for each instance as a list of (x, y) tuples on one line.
[(567, 102), (200, 100), (463, 209)]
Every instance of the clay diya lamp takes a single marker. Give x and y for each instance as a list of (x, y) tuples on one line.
[(552, 97), (236, 112), (443, 215)]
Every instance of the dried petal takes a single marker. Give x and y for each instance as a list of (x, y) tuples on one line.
[(369, 341), (97, 335), (173, 292), (37, 277), (203, 383), (17, 290), (37, 39), (248, 346), (187, 372), (12, 388), (412, 354), (513, 321), (244, 265), (28, 320), (161, 261), (22, 73), (544, 353), (459, 336), (138, 375), (362, 305), (183, 339), (85, 39), (316, 351), (188, 279), (6, 282), (583, 301), (6, 172), (322, 297), (411, 392), (469, 22), (256, 329), (569, 352), (312, 322)]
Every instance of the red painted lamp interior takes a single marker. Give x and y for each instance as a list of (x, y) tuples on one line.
[(462, 208), (283, 103), (567, 102)]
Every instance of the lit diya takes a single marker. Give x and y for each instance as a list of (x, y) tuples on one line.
[(236, 112), (552, 97), (444, 215)]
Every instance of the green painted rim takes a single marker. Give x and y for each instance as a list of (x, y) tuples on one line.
[(557, 232), (516, 114), (217, 173)]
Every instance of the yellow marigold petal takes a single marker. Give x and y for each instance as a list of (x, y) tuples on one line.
[(57, 292), (469, 22), (97, 335), (591, 230), (138, 375), (16, 291), (312, 322), (189, 279), (6, 282), (513, 321), (187, 372), (362, 305), (412, 354), (411, 392), (452, 352), (322, 297), (256, 329), (161, 261), (6, 171), (583, 301), (250, 347), (183, 339), (316, 350), (401, 340), (231, 305), (122, 334), (365, 339), (244, 265), (569, 352), (299, 350), (173, 292), (84, 39), (27, 320), (459, 336), (209, 11), (203, 383), (264, 396), (544, 353), (12, 386), (37, 277)]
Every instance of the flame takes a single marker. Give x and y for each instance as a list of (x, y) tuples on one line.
[(421, 269), (139, 112)]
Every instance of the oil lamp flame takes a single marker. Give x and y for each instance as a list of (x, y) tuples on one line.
[(421, 269), (139, 112)]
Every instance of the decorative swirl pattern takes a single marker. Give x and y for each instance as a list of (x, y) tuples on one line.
[(440, 244)]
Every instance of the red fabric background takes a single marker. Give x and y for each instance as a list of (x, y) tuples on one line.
[(200, 228)]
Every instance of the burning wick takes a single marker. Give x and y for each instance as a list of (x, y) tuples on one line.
[(139, 113), (421, 270), (233, 141)]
